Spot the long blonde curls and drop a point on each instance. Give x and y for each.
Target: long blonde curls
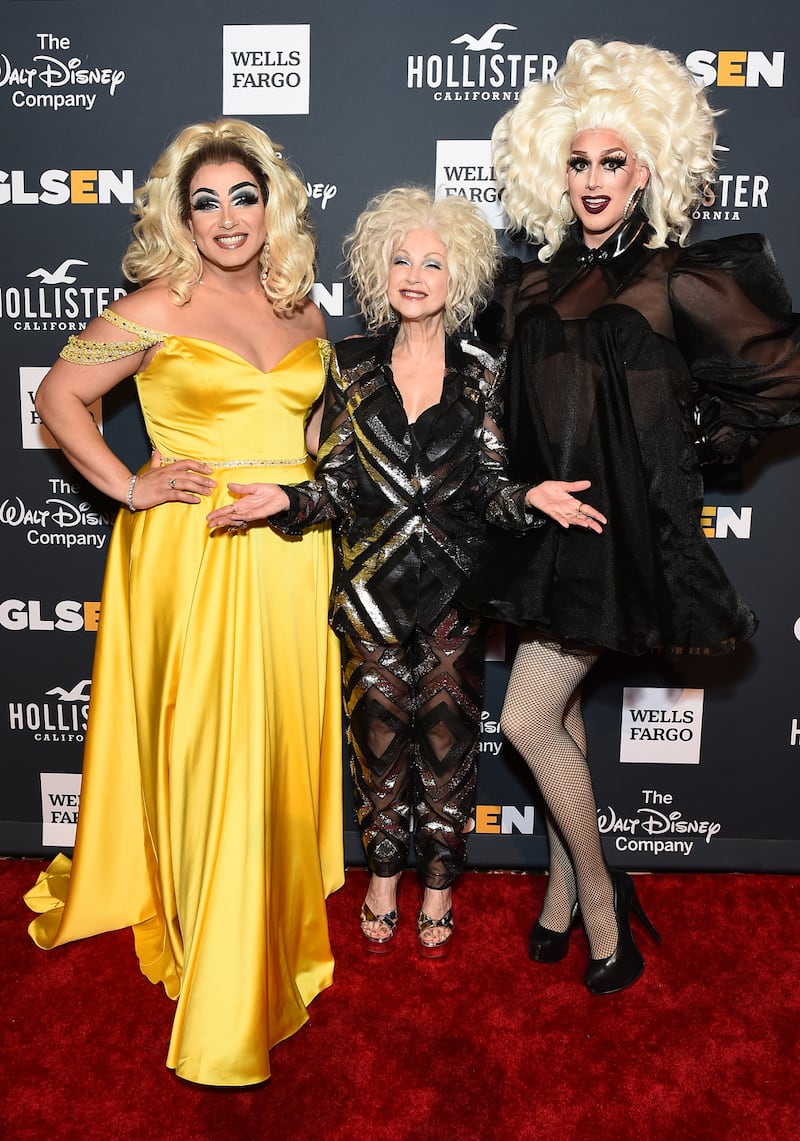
(162, 245)
(648, 97)
(470, 241)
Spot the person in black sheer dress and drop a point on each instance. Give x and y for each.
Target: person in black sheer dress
(411, 468)
(632, 358)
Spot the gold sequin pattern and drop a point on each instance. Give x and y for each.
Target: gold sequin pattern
(80, 351)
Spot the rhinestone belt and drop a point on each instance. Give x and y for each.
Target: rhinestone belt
(241, 463)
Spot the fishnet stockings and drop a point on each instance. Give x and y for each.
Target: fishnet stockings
(542, 719)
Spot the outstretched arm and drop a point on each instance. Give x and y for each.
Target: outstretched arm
(504, 501)
(254, 502)
(556, 499)
(294, 507)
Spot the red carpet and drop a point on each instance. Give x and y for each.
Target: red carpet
(484, 1044)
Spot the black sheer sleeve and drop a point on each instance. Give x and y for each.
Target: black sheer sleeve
(497, 499)
(734, 324)
(495, 324)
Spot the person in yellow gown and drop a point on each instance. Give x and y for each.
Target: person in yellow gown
(210, 817)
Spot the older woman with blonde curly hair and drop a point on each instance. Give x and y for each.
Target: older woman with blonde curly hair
(631, 358)
(411, 468)
(211, 807)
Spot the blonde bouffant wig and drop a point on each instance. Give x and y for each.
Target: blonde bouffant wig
(470, 241)
(162, 244)
(648, 97)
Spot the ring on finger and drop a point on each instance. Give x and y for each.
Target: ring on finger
(171, 483)
(580, 509)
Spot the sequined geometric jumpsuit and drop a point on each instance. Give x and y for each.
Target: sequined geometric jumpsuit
(411, 504)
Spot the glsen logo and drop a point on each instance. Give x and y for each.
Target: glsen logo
(661, 726)
(331, 300)
(266, 69)
(51, 72)
(54, 302)
(59, 522)
(464, 169)
(68, 615)
(63, 718)
(736, 68)
(503, 819)
(721, 522)
(57, 187)
(61, 798)
(482, 71)
(656, 818)
(34, 434)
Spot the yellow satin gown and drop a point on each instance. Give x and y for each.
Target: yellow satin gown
(210, 816)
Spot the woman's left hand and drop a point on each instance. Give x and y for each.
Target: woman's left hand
(554, 498)
(255, 501)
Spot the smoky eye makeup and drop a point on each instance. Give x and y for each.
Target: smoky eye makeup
(204, 200)
(246, 195)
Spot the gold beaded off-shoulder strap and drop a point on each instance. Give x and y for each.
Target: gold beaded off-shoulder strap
(78, 351)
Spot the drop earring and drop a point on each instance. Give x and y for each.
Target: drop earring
(264, 262)
(632, 203)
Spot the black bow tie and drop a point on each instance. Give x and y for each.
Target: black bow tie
(590, 258)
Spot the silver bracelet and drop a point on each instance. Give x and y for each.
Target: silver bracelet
(131, 486)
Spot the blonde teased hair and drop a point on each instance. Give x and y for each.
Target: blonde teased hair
(470, 241)
(648, 97)
(162, 244)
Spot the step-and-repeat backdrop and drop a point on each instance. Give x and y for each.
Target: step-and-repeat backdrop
(695, 762)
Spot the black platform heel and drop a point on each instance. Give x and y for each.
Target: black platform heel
(546, 946)
(623, 968)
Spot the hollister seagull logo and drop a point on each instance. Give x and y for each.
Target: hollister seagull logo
(49, 298)
(77, 693)
(479, 70)
(487, 41)
(58, 276)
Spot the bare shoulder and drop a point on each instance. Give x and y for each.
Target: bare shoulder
(309, 321)
(149, 307)
(152, 305)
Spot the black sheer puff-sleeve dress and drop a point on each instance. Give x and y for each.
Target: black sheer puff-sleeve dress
(620, 360)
